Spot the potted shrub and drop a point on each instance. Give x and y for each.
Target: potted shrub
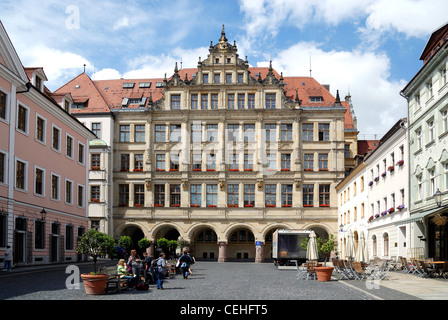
(325, 247)
(94, 244)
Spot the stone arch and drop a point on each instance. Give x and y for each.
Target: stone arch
(135, 231)
(320, 229)
(267, 239)
(160, 229)
(203, 238)
(243, 249)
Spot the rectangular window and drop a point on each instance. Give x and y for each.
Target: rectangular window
(195, 195)
(286, 195)
(445, 120)
(286, 132)
(271, 132)
(123, 195)
(230, 101)
(249, 195)
(233, 195)
(3, 99)
(54, 187)
(443, 76)
(197, 162)
(95, 193)
(272, 161)
(22, 119)
(175, 132)
(211, 162)
(138, 162)
(125, 133)
(204, 101)
(39, 176)
(174, 161)
(159, 195)
(160, 132)
(241, 100)
(68, 192)
(139, 195)
(205, 78)
(212, 132)
(217, 78)
(251, 101)
(215, 101)
(249, 132)
(432, 182)
(347, 151)
(194, 101)
(21, 175)
(248, 162)
(324, 132)
(233, 132)
(69, 147)
(175, 102)
(228, 78)
(286, 161)
(240, 77)
(39, 234)
(196, 132)
(40, 129)
(80, 153)
(56, 139)
(95, 161)
(308, 195)
(308, 162)
(307, 131)
(420, 187)
(233, 163)
(69, 237)
(430, 131)
(175, 195)
(270, 195)
(324, 195)
(125, 159)
(212, 195)
(160, 162)
(96, 129)
(139, 134)
(270, 101)
(80, 196)
(323, 161)
(418, 134)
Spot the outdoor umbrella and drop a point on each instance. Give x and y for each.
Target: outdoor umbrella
(350, 247)
(362, 255)
(311, 250)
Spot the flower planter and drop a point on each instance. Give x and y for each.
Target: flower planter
(94, 284)
(324, 273)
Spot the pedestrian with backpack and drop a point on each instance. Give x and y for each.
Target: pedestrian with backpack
(161, 270)
(185, 261)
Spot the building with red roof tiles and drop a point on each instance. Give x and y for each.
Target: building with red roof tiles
(221, 155)
(43, 170)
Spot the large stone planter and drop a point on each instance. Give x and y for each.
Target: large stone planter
(324, 273)
(94, 284)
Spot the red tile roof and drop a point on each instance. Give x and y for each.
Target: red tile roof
(103, 95)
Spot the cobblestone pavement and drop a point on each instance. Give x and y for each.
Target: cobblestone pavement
(210, 281)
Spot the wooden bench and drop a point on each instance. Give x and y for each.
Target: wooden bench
(114, 283)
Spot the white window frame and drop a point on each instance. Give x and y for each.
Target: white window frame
(73, 146)
(43, 181)
(53, 126)
(83, 162)
(51, 187)
(44, 142)
(71, 191)
(27, 124)
(25, 173)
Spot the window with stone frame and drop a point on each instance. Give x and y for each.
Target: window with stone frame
(270, 195)
(287, 195)
(232, 195)
(249, 195)
(159, 195)
(308, 195)
(307, 132)
(123, 195)
(195, 195)
(139, 195)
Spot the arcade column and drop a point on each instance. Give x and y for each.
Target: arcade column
(222, 252)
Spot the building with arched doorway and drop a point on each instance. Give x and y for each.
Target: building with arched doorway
(223, 154)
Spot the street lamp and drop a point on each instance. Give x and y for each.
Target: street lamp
(43, 213)
(438, 198)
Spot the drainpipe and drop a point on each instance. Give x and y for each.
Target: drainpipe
(28, 87)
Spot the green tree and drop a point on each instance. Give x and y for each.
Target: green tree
(144, 243)
(94, 244)
(126, 243)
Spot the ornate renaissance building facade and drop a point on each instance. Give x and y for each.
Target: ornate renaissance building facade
(221, 155)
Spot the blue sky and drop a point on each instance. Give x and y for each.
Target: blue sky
(370, 48)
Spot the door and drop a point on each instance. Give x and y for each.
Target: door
(54, 248)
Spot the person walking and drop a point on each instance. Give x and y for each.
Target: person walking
(123, 272)
(136, 264)
(147, 267)
(8, 259)
(193, 260)
(185, 261)
(161, 270)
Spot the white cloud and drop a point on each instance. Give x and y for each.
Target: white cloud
(106, 74)
(376, 99)
(414, 18)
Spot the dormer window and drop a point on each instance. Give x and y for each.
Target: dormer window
(316, 99)
(67, 106)
(38, 83)
(145, 84)
(128, 85)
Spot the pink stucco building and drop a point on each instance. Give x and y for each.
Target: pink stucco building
(43, 166)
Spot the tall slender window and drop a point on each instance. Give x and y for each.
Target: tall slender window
(323, 161)
(54, 187)
(175, 133)
(96, 129)
(215, 101)
(249, 132)
(270, 195)
(139, 133)
(204, 101)
(195, 195)
(194, 101)
(175, 195)
(160, 131)
(271, 132)
(249, 195)
(286, 161)
(231, 101)
(160, 162)
(138, 162)
(196, 132)
(68, 191)
(286, 132)
(40, 129)
(308, 161)
(286, 195)
(159, 195)
(233, 132)
(324, 195)
(241, 100)
(212, 195)
(248, 162)
(307, 131)
(22, 119)
(251, 101)
(123, 195)
(175, 102)
(125, 133)
(324, 132)
(232, 195)
(39, 182)
(20, 175)
(308, 195)
(3, 99)
(212, 132)
(270, 101)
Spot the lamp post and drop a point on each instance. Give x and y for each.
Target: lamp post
(43, 213)
(438, 198)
